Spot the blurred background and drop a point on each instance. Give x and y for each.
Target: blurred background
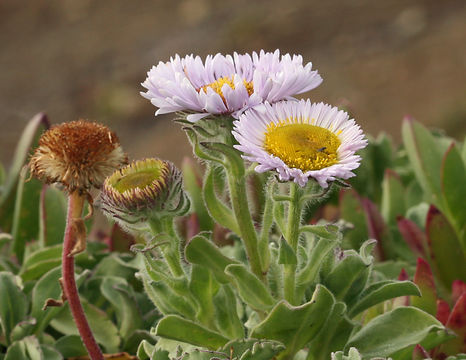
(86, 59)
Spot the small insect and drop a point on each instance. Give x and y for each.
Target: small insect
(321, 149)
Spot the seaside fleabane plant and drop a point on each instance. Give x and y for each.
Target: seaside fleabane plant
(226, 84)
(77, 155)
(300, 140)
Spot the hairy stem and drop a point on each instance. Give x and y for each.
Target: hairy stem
(171, 252)
(75, 207)
(243, 216)
(292, 237)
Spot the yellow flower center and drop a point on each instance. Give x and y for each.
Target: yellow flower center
(302, 146)
(138, 175)
(218, 84)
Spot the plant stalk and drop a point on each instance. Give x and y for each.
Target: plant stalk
(243, 216)
(292, 237)
(75, 207)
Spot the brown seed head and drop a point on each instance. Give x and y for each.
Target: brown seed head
(77, 154)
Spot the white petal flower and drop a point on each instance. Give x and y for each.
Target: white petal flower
(226, 84)
(299, 140)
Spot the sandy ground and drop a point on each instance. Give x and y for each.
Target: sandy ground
(86, 59)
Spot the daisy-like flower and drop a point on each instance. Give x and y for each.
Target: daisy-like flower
(226, 84)
(300, 140)
(78, 155)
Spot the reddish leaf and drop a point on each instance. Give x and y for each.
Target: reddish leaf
(376, 228)
(458, 288)
(443, 311)
(424, 279)
(444, 248)
(413, 236)
(419, 353)
(457, 323)
(402, 300)
(403, 275)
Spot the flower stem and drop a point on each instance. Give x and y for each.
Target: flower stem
(171, 252)
(75, 207)
(243, 216)
(292, 237)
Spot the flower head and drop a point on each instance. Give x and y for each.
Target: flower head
(143, 189)
(300, 140)
(78, 155)
(226, 84)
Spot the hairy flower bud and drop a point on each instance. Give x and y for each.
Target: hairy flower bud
(145, 189)
(78, 154)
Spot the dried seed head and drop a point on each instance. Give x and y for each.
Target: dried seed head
(78, 155)
(149, 188)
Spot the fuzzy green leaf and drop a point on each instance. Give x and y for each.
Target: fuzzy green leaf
(117, 291)
(226, 314)
(250, 288)
(176, 328)
(382, 291)
(203, 252)
(295, 326)
(393, 331)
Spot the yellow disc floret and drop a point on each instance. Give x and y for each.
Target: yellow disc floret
(302, 145)
(218, 84)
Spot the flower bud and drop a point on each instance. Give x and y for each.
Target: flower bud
(143, 190)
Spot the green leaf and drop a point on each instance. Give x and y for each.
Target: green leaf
(252, 349)
(393, 331)
(328, 231)
(349, 272)
(27, 348)
(70, 346)
(424, 279)
(104, 330)
(192, 182)
(22, 329)
(41, 261)
(353, 212)
(25, 224)
(176, 328)
(117, 291)
(27, 140)
(48, 287)
(13, 304)
(202, 251)
(217, 209)
(322, 344)
(453, 190)
(146, 350)
(353, 354)
(204, 287)
(52, 216)
(393, 198)
(444, 248)
(382, 291)
(316, 257)
(50, 353)
(295, 326)
(425, 157)
(250, 288)
(226, 314)
(166, 300)
(286, 254)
